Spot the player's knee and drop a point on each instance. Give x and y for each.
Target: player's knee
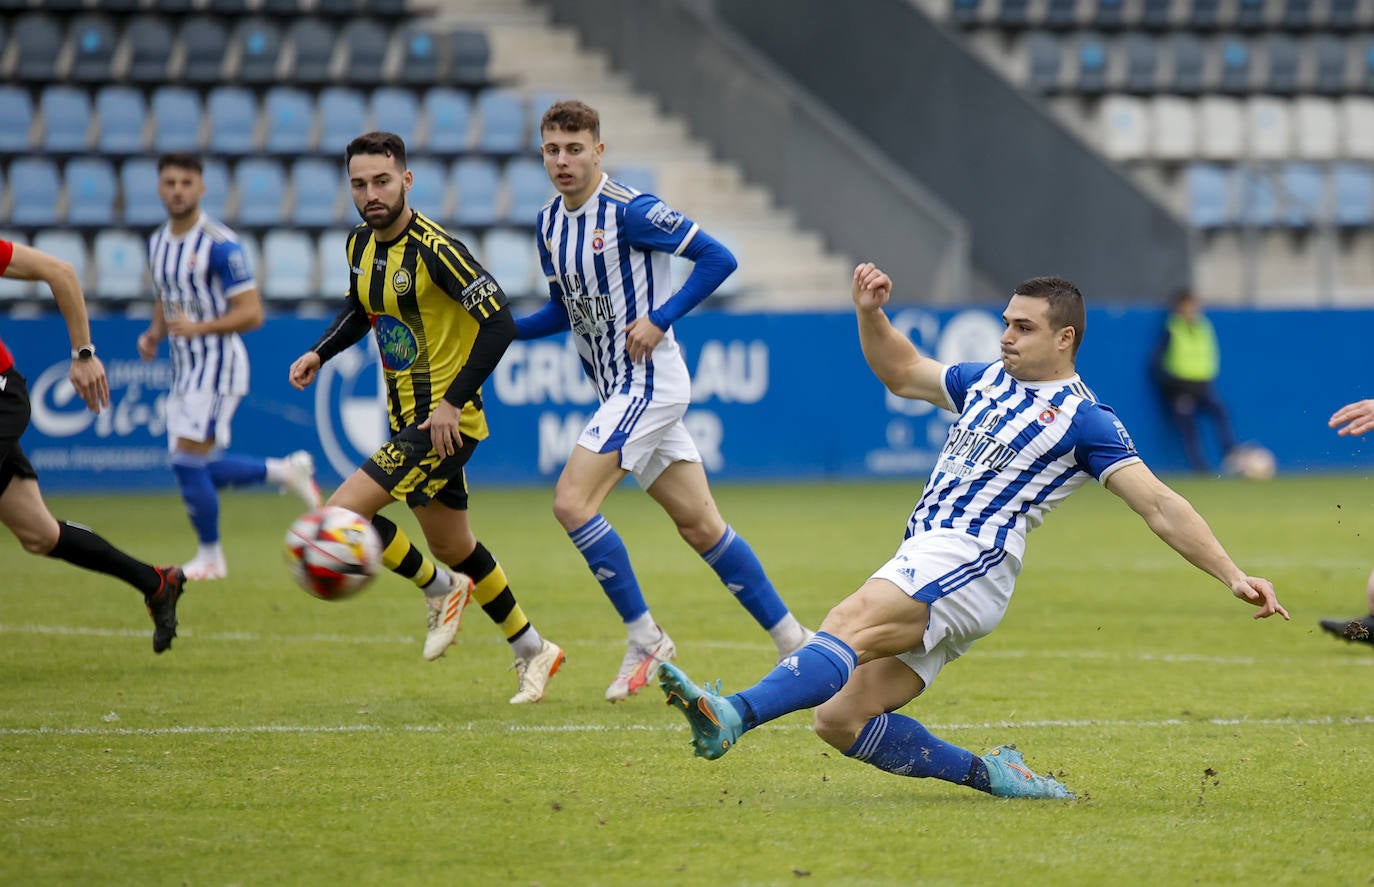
(836, 726)
(39, 540)
(570, 511)
(700, 536)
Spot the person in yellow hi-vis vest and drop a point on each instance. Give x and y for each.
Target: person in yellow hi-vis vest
(1186, 363)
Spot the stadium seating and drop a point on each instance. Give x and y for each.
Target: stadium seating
(1353, 194)
(66, 113)
(288, 266)
(476, 188)
(527, 190)
(121, 115)
(232, 114)
(290, 120)
(332, 263)
(205, 41)
(342, 117)
(90, 191)
(16, 119)
(365, 45)
(510, 257)
(138, 185)
(177, 116)
(12, 290)
(68, 246)
(215, 203)
(317, 185)
(259, 45)
(93, 44)
(261, 186)
(1210, 203)
(37, 38)
(429, 193)
(502, 115)
(396, 110)
(448, 116)
(149, 43)
(470, 55)
(35, 190)
(121, 266)
(313, 42)
(421, 62)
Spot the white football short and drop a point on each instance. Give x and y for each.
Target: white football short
(966, 585)
(200, 416)
(649, 436)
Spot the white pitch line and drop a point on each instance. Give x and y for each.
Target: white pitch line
(670, 727)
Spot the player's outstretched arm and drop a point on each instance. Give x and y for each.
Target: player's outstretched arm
(892, 356)
(1353, 419)
(1174, 520)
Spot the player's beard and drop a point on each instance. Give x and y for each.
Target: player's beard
(381, 223)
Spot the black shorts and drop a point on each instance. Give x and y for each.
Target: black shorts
(408, 467)
(14, 421)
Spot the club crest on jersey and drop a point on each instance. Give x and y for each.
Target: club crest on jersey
(1124, 435)
(1048, 415)
(598, 240)
(572, 283)
(400, 281)
(396, 343)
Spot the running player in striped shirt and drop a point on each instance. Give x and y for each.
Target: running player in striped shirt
(605, 249)
(441, 325)
(1029, 433)
(22, 508)
(206, 296)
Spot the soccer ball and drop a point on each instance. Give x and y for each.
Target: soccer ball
(1252, 462)
(333, 553)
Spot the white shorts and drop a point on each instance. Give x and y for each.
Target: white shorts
(649, 436)
(966, 585)
(200, 416)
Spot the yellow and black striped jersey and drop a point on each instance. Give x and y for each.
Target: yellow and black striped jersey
(425, 296)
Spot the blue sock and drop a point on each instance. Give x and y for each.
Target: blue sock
(805, 679)
(610, 563)
(902, 745)
(198, 493)
(230, 470)
(739, 568)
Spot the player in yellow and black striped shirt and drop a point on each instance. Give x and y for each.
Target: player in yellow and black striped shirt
(441, 325)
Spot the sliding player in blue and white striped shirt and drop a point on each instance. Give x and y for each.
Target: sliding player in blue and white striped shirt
(206, 296)
(1029, 433)
(605, 249)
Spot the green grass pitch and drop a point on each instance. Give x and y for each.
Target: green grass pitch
(286, 740)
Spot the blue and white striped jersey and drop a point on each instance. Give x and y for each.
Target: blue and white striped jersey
(609, 258)
(196, 274)
(1016, 451)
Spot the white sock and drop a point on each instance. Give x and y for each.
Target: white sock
(788, 634)
(276, 470)
(211, 551)
(644, 631)
(528, 644)
(440, 585)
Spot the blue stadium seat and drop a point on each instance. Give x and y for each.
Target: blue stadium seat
(1189, 67)
(90, 191)
(510, 258)
(1259, 198)
(290, 116)
(449, 115)
(1304, 194)
(1013, 14)
(1091, 51)
(1209, 196)
(314, 43)
(215, 203)
(1108, 15)
(429, 193)
(535, 107)
(469, 54)
(1141, 67)
(421, 62)
(1203, 14)
(502, 113)
(476, 187)
(205, 41)
(366, 43)
(1352, 194)
(1342, 15)
(233, 118)
(641, 178)
(121, 266)
(342, 116)
(1330, 61)
(396, 110)
(1297, 15)
(1235, 65)
(68, 246)
(38, 43)
(122, 116)
(288, 266)
(261, 187)
(1285, 60)
(317, 185)
(1365, 48)
(149, 41)
(1250, 15)
(16, 119)
(260, 46)
(34, 187)
(1061, 15)
(93, 41)
(66, 114)
(1156, 15)
(332, 263)
(965, 13)
(527, 190)
(1045, 61)
(138, 185)
(227, 7)
(176, 113)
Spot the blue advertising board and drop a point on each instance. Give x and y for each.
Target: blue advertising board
(775, 396)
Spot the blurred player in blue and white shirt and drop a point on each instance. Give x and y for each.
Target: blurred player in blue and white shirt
(606, 249)
(1028, 433)
(206, 297)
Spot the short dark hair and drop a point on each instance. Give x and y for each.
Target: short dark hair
(181, 160)
(1065, 304)
(387, 144)
(1181, 295)
(570, 115)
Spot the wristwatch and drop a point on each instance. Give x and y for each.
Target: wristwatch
(85, 352)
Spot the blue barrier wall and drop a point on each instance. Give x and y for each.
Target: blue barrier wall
(777, 397)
